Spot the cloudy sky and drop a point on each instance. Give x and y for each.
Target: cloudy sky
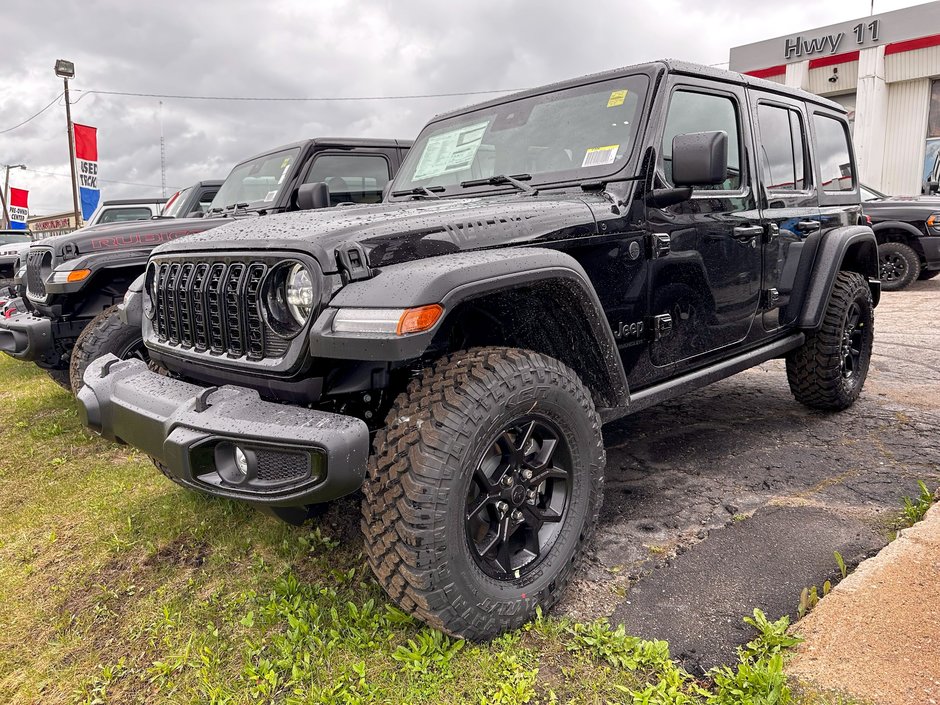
(305, 48)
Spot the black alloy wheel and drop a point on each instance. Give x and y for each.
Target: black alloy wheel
(853, 334)
(518, 498)
(893, 267)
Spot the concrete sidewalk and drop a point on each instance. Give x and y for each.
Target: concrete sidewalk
(876, 636)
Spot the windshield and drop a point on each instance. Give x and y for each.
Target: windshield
(257, 181)
(11, 238)
(869, 194)
(573, 134)
(175, 204)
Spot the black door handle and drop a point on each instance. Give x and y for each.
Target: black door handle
(808, 226)
(746, 232)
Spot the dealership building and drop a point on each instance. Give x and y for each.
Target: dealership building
(885, 70)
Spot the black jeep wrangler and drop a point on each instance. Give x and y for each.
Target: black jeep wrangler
(74, 281)
(908, 233)
(542, 264)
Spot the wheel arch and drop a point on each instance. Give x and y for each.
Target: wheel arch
(532, 298)
(852, 248)
(898, 231)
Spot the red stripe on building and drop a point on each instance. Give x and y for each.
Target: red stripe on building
(912, 44)
(833, 60)
(768, 72)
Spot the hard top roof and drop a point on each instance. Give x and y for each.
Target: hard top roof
(672, 66)
(337, 142)
(133, 201)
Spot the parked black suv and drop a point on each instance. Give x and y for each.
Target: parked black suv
(75, 280)
(542, 264)
(908, 233)
(192, 201)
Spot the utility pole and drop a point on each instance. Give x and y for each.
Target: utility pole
(6, 193)
(66, 70)
(162, 154)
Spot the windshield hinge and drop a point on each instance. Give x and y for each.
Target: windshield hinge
(353, 263)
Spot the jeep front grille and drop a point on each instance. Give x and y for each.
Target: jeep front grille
(213, 307)
(38, 267)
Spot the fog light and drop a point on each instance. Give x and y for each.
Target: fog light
(241, 462)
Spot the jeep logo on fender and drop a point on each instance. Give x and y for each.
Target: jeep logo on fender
(109, 243)
(623, 331)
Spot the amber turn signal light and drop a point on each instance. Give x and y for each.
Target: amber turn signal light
(78, 275)
(417, 320)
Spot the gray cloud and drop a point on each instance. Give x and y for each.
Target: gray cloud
(341, 48)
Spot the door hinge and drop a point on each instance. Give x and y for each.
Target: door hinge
(769, 299)
(660, 245)
(661, 326)
(772, 232)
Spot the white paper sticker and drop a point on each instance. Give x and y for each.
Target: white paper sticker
(269, 196)
(599, 156)
(450, 151)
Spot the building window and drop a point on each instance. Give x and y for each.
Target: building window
(832, 145)
(782, 142)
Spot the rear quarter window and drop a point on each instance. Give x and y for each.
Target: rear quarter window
(836, 169)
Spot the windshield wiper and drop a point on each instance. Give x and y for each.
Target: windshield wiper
(419, 191)
(500, 179)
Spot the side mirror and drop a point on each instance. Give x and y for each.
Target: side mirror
(700, 158)
(197, 214)
(933, 187)
(313, 196)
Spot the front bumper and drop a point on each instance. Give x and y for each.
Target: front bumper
(931, 247)
(25, 336)
(295, 456)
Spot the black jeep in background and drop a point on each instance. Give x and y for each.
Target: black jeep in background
(192, 201)
(542, 264)
(908, 232)
(74, 281)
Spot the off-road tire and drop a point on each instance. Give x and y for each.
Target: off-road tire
(909, 263)
(415, 491)
(60, 377)
(815, 370)
(106, 333)
(929, 274)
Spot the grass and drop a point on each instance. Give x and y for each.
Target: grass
(117, 586)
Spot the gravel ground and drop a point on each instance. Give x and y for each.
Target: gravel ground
(679, 472)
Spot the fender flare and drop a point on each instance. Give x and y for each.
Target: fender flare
(854, 245)
(897, 225)
(454, 279)
(131, 310)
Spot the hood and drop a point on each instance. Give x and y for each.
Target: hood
(903, 208)
(402, 231)
(135, 234)
(14, 249)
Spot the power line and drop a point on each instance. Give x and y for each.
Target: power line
(317, 99)
(108, 181)
(33, 117)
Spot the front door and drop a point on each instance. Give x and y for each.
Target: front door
(790, 204)
(707, 287)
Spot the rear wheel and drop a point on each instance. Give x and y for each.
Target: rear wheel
(899, 265)
(483, 489)
(829, 370)
(106, 333)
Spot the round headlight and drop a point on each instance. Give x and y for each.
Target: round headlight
(298, 292)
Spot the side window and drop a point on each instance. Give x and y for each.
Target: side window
(120, 215)
(782, 148)
(351, 178)
(704, 112)
(832, 148)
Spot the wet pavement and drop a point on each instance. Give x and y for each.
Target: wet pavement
(735, 497)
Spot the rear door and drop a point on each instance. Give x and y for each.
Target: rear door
(789, 202)
(708, 285)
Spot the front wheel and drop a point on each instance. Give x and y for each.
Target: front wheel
(899, 265)
(483, 489)
(829, 370)
(106, 333)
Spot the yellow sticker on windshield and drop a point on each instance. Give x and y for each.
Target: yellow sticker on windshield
(617, 98)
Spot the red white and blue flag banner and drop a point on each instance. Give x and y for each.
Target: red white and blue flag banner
(19, 210)
(86, 164)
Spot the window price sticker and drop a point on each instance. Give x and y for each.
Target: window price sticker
(617, 98)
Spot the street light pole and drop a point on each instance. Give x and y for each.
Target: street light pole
(6, 193)
(66, 70)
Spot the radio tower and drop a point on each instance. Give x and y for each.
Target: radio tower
(162, 154)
